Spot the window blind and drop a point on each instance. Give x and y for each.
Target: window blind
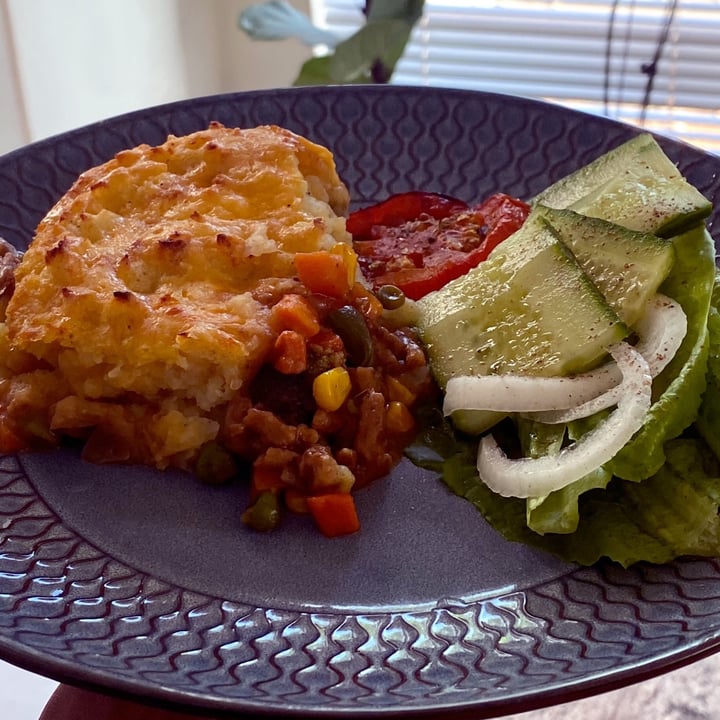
(652, 63)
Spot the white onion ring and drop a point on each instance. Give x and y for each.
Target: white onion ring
(536, 477)
(561, 399)
(661, 331)
(525, 393)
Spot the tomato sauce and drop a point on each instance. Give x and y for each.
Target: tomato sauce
(419, 241)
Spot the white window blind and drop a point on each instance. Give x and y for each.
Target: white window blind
(598, 56)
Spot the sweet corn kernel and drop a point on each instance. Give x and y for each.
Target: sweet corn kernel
(398, 418)
(350, 258)
(331, 388)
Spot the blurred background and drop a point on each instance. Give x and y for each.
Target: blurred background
(653, 63)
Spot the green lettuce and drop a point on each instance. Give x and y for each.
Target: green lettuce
(679, 389)
(673, 513)
(558, 511)
(659, 498)
(708, 419)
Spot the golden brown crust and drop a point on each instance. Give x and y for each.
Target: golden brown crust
(146, 280)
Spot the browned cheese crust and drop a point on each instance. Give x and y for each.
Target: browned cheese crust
(141, 307)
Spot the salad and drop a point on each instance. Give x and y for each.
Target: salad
(607, 444)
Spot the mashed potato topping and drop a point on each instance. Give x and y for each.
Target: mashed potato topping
(147, 304)
(141, 279)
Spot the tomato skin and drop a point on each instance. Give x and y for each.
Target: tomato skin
(504, 215)
(422, 253)
(417, 282)
(401, 208)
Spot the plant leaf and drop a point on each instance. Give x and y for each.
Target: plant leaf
(381, 40)
(408, 10)
(315, 71)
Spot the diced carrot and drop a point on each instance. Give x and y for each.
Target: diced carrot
(266, 478)
(294, 312)
(290, 353)
(334, 514)
(323, 272)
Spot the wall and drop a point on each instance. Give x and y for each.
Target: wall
(13, 125)
(247, 64)
(66, 64)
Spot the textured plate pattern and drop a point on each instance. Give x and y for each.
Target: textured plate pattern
(83, 612)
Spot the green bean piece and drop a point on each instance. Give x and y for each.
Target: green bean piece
(391, 296)
(215, 465)
(350, 325)
(264, 514)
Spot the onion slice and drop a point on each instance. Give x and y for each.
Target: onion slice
(526, 393)
(661, 331)
(535, 477)
(561, 399)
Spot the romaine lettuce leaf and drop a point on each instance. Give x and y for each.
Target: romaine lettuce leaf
(671, 514)
(679, 388)
(678, 393)
(558, 512)
(674, 510)
(708, 420)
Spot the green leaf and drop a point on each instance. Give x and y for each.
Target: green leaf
(558, 512)
(437, 441)
(708, 420)
(671, 514)
(682, 383)
(315, 71)
(378, 41)
(408, 10)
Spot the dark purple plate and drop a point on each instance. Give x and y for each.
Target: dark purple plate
(146, 584)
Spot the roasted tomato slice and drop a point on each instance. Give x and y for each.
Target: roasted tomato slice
(401, 208)
(419, 250)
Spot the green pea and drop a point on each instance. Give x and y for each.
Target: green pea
(264, 514)
(215, 465)
(391, 296)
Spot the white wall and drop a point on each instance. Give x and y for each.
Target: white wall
(67, 63)
(13, 126)
(246, 64)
